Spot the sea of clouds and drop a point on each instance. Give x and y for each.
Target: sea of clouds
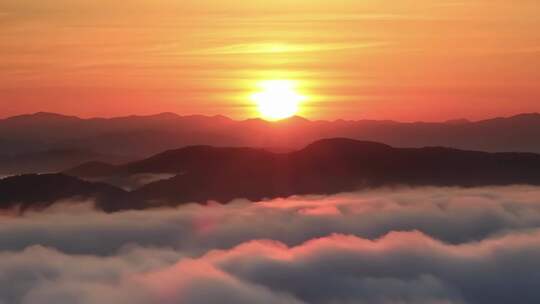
(402, 245)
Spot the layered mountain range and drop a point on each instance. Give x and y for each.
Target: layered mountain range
(205, 173)
(39, 142)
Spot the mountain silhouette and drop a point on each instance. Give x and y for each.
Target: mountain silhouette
(38, 191)
(135, 137)
(205, 173)
(336, 165)
(51, 160)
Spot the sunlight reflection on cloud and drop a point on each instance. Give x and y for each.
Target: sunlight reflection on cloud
(406, 245)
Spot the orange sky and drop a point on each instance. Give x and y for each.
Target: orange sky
(402, 60)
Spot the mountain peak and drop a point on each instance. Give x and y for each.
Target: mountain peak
(42, 116)
(526, 116)
(166, 115)
(295, 118)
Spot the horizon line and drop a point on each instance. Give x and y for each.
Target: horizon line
(297, 117)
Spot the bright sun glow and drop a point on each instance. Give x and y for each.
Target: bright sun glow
(277, 99)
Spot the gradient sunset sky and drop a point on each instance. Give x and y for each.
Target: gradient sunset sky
(354, 59)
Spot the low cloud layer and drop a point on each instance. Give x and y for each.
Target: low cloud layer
(425, 245)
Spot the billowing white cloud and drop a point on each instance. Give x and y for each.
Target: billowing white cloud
(425, 245)
(452, 215)
(402, 267)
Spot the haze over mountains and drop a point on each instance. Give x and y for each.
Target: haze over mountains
(205, 173)
(39, 137)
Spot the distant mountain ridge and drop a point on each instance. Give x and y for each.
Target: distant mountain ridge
(204, 173)
(136, 137)
(51, 160)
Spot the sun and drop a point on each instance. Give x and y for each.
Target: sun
(277, 99)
